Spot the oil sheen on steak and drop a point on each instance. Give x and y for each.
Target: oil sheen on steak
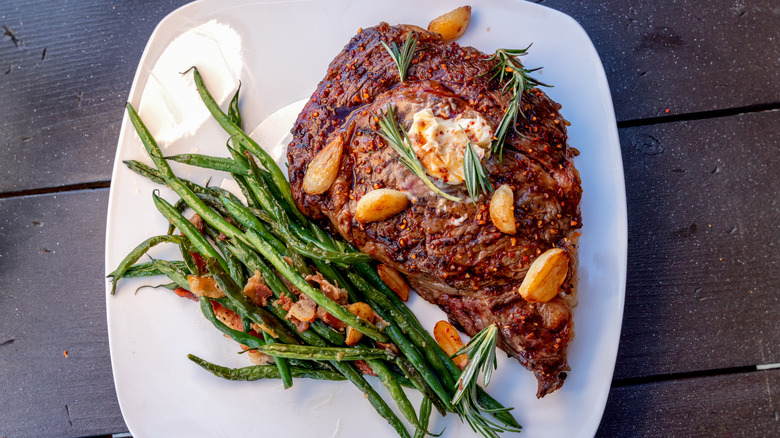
(450, 252)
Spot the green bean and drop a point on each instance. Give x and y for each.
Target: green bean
(136, 254)
(246, 191)
(256, 263)
(387, 312)
(188, 261)
(277, 195)
(174, 182)
(258, 372)
(196, 238)
(252, 342)
(308, 352)
(444, 366)
(244, 307)
(425, 415)
(320, 298)
(401, 314)
(208, 162)
(281, 364)
(157, 177)
(174, 273)
(147, 269)
(354, 376)
(235, 132)
(219, 192)
(246, 218)
(234, 115)
(180, 205)
(235, 268)
(394, 388)
(145, 171)
(335, 278)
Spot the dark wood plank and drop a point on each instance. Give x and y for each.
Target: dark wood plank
(65, 109)
(704, 239)
(734, 405)
(53, 300)
(62, 111)
(687, 56)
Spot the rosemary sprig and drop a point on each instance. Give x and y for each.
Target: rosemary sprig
(398, 139)
(517, 80)
(403, 56)
(474, 173)
(481, 351)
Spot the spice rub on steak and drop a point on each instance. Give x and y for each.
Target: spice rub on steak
(450, 252)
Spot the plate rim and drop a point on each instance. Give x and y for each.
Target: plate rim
(621, 212)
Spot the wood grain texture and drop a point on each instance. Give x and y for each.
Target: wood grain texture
(734, 405)
(61, 112)
(704, 245)
(52, 300)
(687, 56)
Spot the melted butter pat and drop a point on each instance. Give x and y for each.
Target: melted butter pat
(440, 144)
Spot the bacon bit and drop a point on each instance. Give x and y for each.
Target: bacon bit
(285, 301)
(335, 293)
(197, 221)
(204, 286)
(305, 309)
(262, 328)
(227, 316)
(364, 368)
(257, 290)
(388, 347)
(184, 293)
(200, 262)
(329, 319)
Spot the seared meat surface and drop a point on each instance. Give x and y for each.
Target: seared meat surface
(450, 252)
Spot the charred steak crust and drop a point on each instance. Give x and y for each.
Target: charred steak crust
(450, 252)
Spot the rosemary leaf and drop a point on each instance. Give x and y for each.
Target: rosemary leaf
(477, 180)
(403, 56)
(516, 79)
(399, 141)
(481, 351)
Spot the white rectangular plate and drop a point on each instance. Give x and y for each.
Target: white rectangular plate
(280, 51)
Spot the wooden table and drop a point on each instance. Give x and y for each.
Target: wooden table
(696, 88)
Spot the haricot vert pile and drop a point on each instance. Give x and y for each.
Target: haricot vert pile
(269, 240)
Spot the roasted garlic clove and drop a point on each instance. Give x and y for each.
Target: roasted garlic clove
(378, 205)
(449, 341)
(545, 276)
(204, 286)
(453, 24)
(361, 310)
(324, 168)
(502, 210)
(394, 280)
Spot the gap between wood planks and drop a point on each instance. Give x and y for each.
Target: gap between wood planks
(700, 115)
(58, 189)
(630, 381)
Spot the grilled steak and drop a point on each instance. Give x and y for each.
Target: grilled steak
(450, 252)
